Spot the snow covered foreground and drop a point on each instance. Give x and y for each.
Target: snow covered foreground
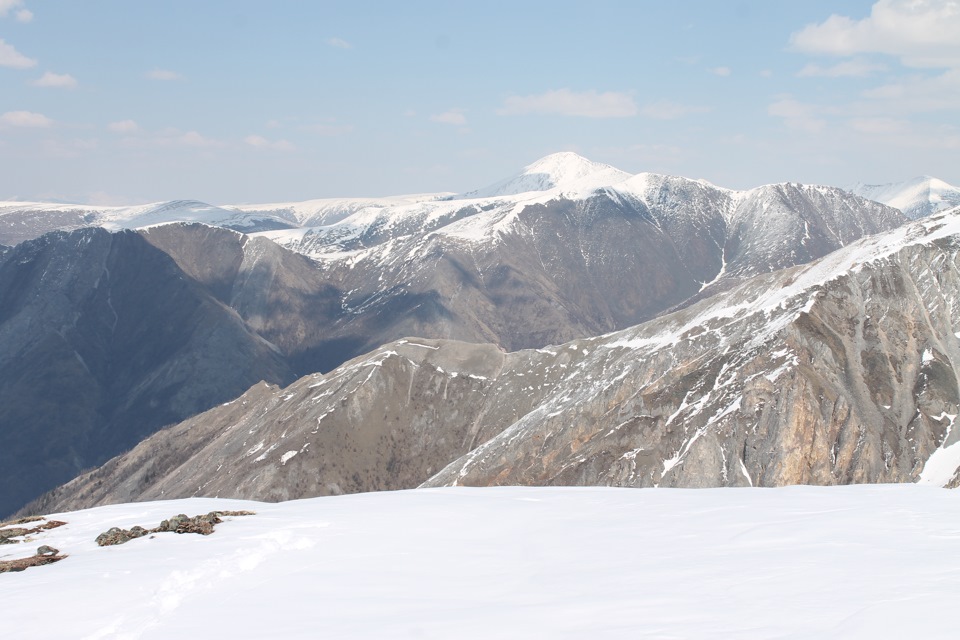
(799, 562)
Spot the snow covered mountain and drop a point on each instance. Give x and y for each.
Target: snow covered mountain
(844, 562)
(549, 266)
(566, 171)
(841, 371)
(316, 213)
(21, 221)
(915, 198)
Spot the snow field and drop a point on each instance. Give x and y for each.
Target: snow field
(797, 562)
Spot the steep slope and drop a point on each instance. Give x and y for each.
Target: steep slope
(389, 421)
(283, 296)
(916, 198)
(841, 371)
(103, 340)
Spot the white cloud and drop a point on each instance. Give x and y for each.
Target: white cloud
(664, 110)
(797, 115)
(16, 6)
(919, 94)
(328, 129)
(450, 116)
(564, 102)
(855, 68)
(881, 125)
(25, 119)
(10, 57)
(163, 74)
(273, 124)
(921, 33)
(262, 143)
(721, 71)
(166, 138)
(69, 148)
(56, 80)
(194, 139)
(339, 43)
(123, 126)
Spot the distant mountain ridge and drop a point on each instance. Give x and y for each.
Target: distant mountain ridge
(563, 174)
(916, 198)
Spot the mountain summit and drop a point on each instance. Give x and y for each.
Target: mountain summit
(916, 198)
(564, 170)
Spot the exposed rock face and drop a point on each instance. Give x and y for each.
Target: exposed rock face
(103, 340)
(841, 371)
(566, 249)
(518, 275)
(283, 296)
(386, 421)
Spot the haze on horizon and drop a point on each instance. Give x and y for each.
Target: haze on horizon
(112, 102)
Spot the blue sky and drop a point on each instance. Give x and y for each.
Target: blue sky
(117, 102)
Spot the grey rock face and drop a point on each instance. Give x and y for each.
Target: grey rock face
(284, 297)
(103, 340)
(837, 372)
(846, 374)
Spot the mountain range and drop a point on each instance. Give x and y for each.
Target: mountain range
(840, 371)
(589, 251)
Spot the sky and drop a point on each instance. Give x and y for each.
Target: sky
(118, 102)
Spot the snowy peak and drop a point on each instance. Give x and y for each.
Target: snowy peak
(916, 197)
(564, 170)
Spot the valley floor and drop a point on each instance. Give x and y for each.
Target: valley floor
(797, 562)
